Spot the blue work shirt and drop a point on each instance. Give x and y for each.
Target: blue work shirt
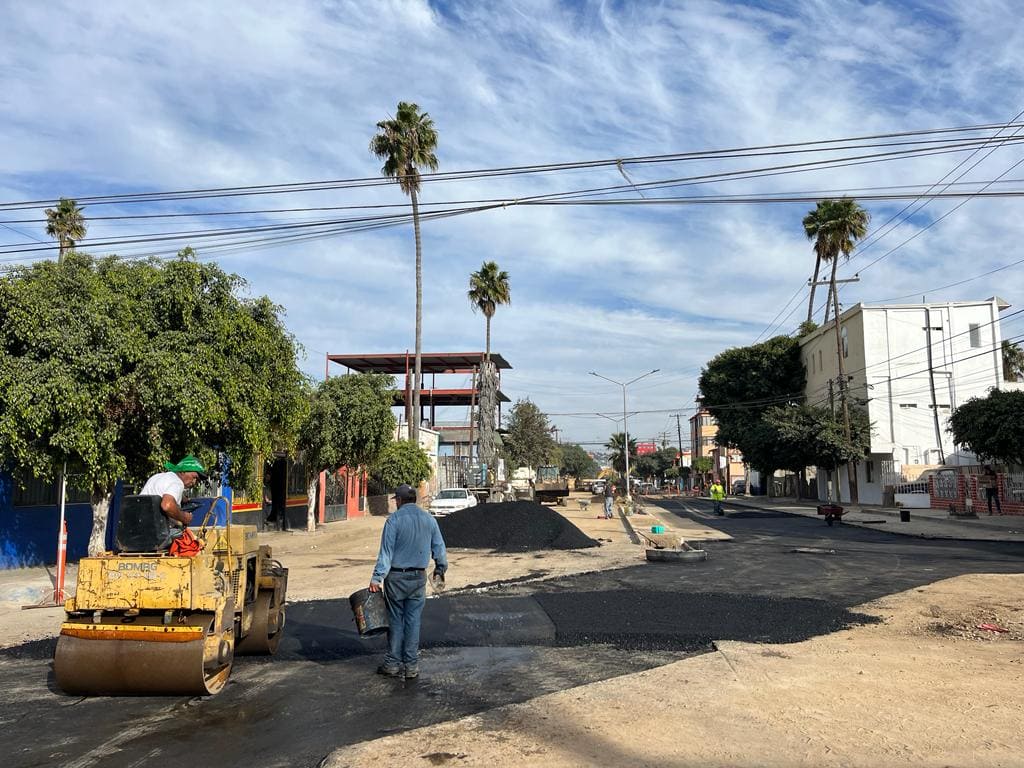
(410, 538)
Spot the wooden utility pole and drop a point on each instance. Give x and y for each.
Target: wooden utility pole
(851, 470)
(679, 434)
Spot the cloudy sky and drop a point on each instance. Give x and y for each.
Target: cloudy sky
(118, 97)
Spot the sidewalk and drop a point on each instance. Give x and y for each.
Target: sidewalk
(924, 523)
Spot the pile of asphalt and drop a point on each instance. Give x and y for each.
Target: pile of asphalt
(512, 526)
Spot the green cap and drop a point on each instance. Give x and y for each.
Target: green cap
(188, 464)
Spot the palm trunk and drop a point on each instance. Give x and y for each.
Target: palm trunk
(851, 471)
(487, 353)
(418, 367)
(814, 285)
(100, 511)
(828, 303)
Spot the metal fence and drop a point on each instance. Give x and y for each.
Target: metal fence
(1014, 482)
(918, 487)
(946, 485)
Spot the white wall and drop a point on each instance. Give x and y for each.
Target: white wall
(887, 358)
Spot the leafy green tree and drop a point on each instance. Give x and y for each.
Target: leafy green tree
(991, 426)
(406, 143)
(402, 461)
(116, 366)
(1013, 361)
(702, 466)
(66, 224)
(738, 385)
(576, 462)
(616, 444)
(528, 440)
(350, 423)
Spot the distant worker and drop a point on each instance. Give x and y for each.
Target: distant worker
(409, 540)
(609, 500)
(170, 486)
(717, 495)
(989, 480)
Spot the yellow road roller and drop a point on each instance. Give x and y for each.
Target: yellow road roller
(143, 621)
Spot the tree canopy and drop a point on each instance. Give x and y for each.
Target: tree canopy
(991, 426)
(528, 441)
(575, 461)
(350, 422)
(488, 287)
(116, 366)
(66, 225)
(616, 444)
(401, 461)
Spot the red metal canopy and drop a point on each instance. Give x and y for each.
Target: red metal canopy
(431, 362)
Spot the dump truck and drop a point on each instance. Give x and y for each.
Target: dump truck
(143, 621)
(549, 486)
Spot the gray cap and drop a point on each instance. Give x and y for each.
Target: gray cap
(405, 492)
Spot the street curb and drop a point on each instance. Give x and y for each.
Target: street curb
(1017, 539)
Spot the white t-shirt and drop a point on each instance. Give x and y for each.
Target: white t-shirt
(165, 483)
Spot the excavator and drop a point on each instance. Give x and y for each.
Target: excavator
(143, 621)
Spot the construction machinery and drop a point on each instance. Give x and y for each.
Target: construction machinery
(549, 485)
(143, 621)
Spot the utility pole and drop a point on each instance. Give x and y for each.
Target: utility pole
(931, 384)
(679, 434)
(828, 301)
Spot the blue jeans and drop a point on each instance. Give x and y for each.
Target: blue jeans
(608, 506)
(406, 592)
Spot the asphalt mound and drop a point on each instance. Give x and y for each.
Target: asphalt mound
(512, 526)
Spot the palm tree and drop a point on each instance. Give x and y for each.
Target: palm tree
(406, 143)
(838, 225)
(615, 444)
(488, 287)
(812, 225)
(66, 224)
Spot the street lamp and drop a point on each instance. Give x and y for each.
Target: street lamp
(625, 428)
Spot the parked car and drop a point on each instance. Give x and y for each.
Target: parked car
(598, 487)
(739, 487)
(451, 500)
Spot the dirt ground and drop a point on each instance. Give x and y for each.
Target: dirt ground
(925, 687)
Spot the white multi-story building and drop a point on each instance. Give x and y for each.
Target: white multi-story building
(910, 365)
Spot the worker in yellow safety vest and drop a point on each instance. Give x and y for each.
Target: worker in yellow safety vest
(717, 495)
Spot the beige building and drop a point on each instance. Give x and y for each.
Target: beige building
(727, 462)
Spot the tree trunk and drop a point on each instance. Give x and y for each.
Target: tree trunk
(487, 353)
(417, 376)
(814, 285)
(311, 508)
(100, 501)
(828, 303)
(851, 470)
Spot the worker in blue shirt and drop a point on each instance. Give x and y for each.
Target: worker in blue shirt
(410, 538)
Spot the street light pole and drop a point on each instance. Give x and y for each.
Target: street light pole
(625, 427)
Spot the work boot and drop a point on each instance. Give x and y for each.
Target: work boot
(412, 671)
(388, 671)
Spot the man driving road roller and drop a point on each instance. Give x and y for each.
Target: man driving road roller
(170, 486)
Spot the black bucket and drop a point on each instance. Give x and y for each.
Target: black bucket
(370, 612)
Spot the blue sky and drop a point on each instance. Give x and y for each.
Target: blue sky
(118, 96)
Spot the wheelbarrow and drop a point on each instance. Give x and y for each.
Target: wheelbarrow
(832, 512)
(584, 503)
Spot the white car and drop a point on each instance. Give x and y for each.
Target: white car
(451, 500)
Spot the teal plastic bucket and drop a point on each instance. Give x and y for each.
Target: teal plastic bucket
(657, 529)
(370, 612)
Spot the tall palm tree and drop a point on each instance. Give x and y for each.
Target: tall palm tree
(406, 143)
(66, 224)
(488, 287)
(812, 225)
(839, 224)
(616, 444)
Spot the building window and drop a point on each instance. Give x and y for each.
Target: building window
(975, 332)
(846, 343)
(820, 368)
(707, 441)
(813, 365)
(707, 421)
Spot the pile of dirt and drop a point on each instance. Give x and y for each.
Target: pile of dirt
(512, 526)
